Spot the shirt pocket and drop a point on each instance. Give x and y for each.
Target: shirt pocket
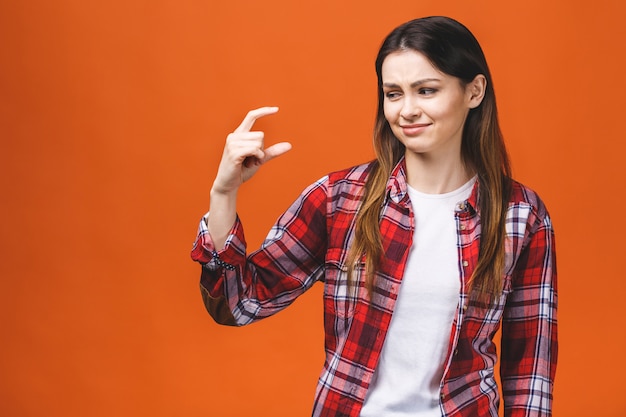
(340, 295)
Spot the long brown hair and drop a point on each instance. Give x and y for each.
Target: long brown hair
(452, 49)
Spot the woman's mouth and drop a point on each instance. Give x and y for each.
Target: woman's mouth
(414, 129)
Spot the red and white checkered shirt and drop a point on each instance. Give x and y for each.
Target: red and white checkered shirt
(309, 243)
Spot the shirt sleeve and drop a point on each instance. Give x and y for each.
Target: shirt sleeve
(238, 288)
(529, 326)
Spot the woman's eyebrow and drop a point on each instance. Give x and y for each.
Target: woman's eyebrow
(413, 85)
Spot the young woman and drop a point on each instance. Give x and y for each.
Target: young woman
(423, 253)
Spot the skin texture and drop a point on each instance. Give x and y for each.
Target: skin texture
(426, 110)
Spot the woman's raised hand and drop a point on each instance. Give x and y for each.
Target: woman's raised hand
(244, 153)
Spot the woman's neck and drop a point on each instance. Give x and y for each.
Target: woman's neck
(436, 175)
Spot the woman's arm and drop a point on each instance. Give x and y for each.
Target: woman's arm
(238, 288)
(529, 327)
(244, 153)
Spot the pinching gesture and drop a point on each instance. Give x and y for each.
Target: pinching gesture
(244, 153)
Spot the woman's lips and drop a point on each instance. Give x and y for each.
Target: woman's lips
(415, 129)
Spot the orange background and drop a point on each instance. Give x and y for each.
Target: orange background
(112, 119)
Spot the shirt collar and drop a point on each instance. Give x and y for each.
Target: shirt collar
(397, 188)
(396, 185)
(472, 201)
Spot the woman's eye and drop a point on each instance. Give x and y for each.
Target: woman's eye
(427, 91)
(392, 95)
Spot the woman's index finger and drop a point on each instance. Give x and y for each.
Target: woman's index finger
(252, 116)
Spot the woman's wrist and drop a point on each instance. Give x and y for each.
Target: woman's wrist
(222, 216)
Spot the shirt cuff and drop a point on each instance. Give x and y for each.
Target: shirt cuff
(217, 263)
(203, 250)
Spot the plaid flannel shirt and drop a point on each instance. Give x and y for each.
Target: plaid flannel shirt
(309, 243)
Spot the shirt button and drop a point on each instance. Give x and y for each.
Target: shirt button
(456, 352)
(442, 396)
(465, 307)
(462, 227)
(461, 206)
(465, 263)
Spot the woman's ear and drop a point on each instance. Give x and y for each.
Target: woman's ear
(476, 91)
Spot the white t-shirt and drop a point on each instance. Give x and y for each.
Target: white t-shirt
(407, 379)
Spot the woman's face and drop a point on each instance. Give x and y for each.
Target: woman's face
(426, 109)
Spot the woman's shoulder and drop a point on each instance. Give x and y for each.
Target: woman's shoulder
(345, 181)
(353, 176)
(524, 196)
(345, 186)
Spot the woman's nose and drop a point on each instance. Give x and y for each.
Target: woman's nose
(410, 109)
